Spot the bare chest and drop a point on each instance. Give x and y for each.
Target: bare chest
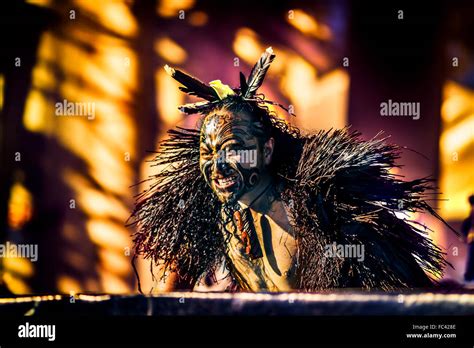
(274, 270)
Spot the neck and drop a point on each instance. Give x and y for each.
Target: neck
(258, 198)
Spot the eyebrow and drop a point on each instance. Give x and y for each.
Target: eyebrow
(229, 139)
(206, 146)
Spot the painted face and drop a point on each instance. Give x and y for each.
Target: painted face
(231, 155)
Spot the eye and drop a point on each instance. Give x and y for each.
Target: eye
(232, 145)
(205, 153)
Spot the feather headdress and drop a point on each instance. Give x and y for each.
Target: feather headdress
(216, 91)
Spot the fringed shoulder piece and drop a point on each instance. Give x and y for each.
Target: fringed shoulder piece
(177, 217)
(345, 198)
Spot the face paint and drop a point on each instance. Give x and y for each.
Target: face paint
(231, 155)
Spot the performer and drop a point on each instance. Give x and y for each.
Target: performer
(467, 230)
(284, 210)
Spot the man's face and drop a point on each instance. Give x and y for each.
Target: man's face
(232, 158)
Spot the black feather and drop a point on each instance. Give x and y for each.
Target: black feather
(257, 75)
(194, 108)
(192, 86)
(243, 84)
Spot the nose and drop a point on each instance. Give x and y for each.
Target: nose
(219, 167)
(222, 167)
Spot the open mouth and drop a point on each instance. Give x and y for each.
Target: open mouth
(225, 183)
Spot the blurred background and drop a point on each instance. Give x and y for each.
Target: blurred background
(67, 181)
